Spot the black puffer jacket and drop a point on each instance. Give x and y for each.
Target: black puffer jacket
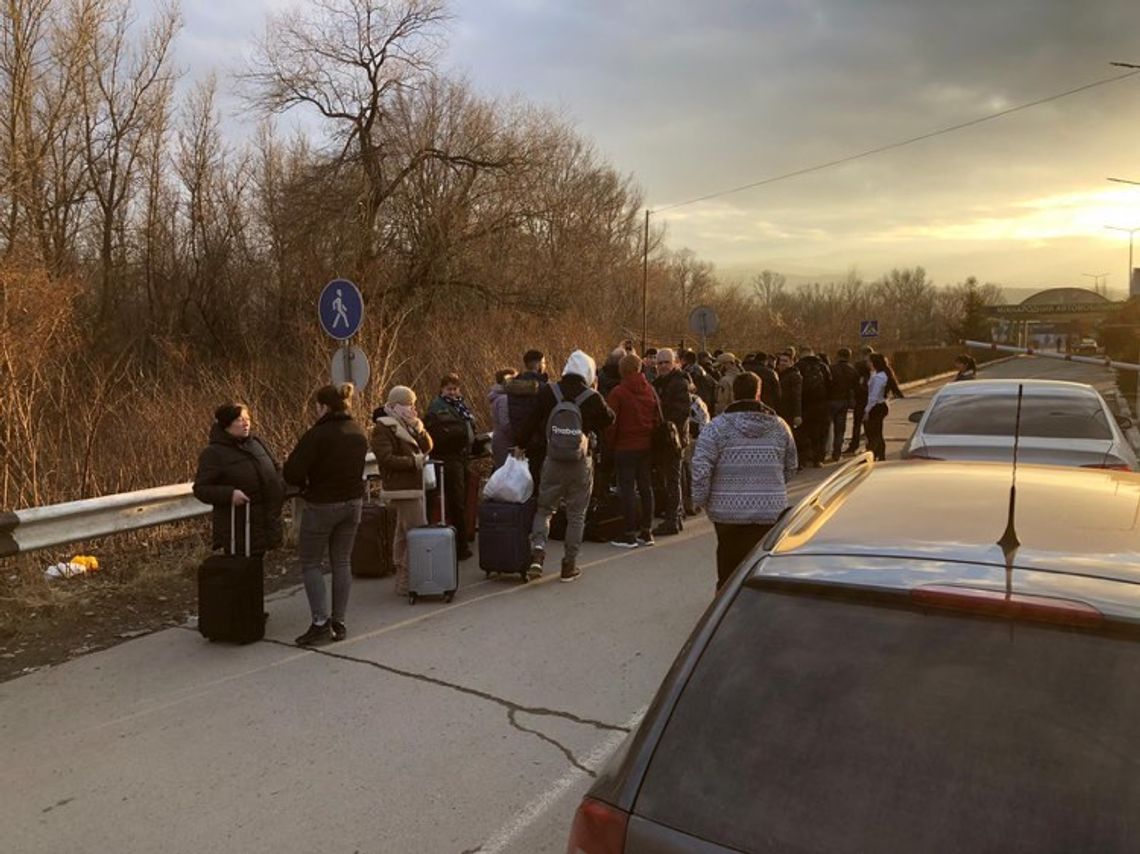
(844, 382)
(328, 462)
(674, 389)
(228, 463)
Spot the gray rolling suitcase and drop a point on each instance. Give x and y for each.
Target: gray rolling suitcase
(433, 564)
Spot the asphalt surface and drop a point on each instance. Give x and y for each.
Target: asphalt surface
(475, 726)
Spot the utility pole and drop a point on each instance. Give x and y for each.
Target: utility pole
(1096, 277)
(1131, 233)
(645, 288)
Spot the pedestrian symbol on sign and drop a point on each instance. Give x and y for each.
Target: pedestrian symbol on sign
(869, 329)
(341, 312)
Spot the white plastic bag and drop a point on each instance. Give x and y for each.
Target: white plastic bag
(511, 482)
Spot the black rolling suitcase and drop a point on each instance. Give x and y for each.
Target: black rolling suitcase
(231, 592)
(504, 537)
(605, 520)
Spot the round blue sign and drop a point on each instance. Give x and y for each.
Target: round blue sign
(340, 309)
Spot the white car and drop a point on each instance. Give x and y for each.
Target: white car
(1062, 424)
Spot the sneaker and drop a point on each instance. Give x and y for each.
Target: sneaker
(537, 558)
(314, 634)
(666, 531)
(339, 630)
(629, 541)
(570, 572)
(645, 538)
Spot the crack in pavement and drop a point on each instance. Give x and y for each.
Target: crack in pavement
(513, 708)
(512, 717)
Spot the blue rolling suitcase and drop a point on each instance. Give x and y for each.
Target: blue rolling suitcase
(433, 558)
(504, 537)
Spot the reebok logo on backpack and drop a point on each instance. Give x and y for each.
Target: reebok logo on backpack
(566, 441)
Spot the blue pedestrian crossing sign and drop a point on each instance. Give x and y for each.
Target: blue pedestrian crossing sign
(340, 309)
(869, 329)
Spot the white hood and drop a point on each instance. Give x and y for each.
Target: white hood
(581, 364)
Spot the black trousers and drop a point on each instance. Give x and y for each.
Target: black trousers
(876, 444)
(838, 425)
(455, 500)
(857, 423)
(733, 543)
(671, 480)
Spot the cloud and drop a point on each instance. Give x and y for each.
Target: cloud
(698, 97)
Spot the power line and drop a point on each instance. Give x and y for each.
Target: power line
(893, 145)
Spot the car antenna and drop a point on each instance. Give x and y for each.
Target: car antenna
(1009, 542)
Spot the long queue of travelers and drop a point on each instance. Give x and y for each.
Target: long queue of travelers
(670, 433)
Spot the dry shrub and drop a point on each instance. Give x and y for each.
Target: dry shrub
(83, 418)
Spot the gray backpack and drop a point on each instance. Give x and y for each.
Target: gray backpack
(566, 441)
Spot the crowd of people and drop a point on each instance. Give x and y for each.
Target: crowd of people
(672, 433)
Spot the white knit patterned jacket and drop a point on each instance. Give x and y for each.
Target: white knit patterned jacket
(742, 464)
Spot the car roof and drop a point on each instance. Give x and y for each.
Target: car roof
(904, 518)
(1009, 387)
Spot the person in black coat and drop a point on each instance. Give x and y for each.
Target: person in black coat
(328, 465)
(522, 398)
(841, 398)
(674, 388)
(769, 382)
(237, 470)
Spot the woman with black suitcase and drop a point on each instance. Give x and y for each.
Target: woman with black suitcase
(238, 475)
(401, 445)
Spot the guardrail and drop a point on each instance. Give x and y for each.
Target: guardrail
(38, 528)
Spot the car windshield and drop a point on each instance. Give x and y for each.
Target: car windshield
(815, 724)
(1043, 416)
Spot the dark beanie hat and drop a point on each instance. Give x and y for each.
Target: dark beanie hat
(227, 414)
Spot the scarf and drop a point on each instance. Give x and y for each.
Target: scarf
(460, 407)
(406, 415)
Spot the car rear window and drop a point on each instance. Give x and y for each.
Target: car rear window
(1042, 416)
(813, 724)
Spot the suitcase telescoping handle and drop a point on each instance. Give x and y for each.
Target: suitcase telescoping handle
(442, 495)
(233, 528)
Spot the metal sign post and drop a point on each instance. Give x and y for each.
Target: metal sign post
(350, 365)
(703, 322)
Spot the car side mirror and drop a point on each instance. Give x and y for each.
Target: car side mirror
(915, 417)
(1125, 422)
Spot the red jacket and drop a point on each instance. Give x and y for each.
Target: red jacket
(636, 413)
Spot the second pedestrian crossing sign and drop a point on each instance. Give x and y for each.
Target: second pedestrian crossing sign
(869, 329)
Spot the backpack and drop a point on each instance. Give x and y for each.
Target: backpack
(566, 441)
(815, 385)
(698, 415)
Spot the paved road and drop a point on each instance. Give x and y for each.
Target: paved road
(470, 727)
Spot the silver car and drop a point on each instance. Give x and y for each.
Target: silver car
(1062, 424)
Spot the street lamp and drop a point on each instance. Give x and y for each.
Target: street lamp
(1131, 232)
(1096, 277)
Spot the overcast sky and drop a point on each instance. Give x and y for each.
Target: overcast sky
(693, 98)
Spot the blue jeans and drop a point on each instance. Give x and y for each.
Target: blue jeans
(328, 528)
(635, 478)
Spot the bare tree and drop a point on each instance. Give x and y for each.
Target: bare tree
(125, 90)
(350, 60)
